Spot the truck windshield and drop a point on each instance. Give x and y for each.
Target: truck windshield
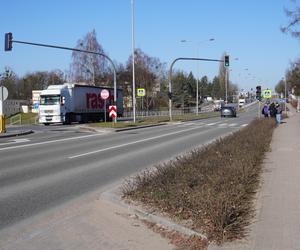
(50, 99)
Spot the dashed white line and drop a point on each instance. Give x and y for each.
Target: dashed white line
(131, 143)
(211, 124)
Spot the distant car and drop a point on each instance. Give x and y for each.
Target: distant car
(228, 111)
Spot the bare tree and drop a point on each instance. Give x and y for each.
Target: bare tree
(292, 77)
(38, 81)
(294, 20)
(88, 67)
(9, 79)
(148, 75)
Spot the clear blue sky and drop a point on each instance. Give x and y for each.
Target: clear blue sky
(247, 30)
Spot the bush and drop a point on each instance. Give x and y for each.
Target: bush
(213, 186)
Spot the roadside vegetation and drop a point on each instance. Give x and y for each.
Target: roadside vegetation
(22, 119)
(213, 187)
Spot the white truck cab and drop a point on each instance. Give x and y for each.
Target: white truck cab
(53, 106)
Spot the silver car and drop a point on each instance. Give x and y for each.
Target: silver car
(228, 111)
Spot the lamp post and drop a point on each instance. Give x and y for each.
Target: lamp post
(285, 89)
(133, 60)
(197, 80)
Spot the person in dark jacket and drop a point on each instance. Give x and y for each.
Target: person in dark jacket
(272, 109)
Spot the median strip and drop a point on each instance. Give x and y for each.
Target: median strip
(210, 189)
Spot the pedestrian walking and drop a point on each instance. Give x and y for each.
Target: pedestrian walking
(272, 109)
(265, 111)
(278, 113)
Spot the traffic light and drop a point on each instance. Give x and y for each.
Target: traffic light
(258, 93)
(8, 41)
(226, 61)
(170, 95)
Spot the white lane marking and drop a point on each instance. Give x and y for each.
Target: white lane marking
(131, 143)
(232, 124)
(191, 124)
(223, 124)
(15, 141)
(244, 125)
(211, 124)
(48, 142)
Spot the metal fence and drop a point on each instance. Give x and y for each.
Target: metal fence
(159, 113)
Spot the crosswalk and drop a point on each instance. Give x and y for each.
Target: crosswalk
(213, 124)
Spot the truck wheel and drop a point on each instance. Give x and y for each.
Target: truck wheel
(67, 119)
(46, 124)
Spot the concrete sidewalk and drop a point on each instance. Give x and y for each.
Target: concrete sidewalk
(277, 224)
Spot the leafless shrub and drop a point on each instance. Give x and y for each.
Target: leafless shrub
(213, 186)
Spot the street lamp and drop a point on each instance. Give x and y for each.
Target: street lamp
(285, 88)
(197, 80)
(133, 69)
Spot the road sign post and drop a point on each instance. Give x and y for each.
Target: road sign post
(104, 95)
(113, 111)
(3, 97)
(141, 93)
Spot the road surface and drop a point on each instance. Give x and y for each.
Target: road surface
(59, 163)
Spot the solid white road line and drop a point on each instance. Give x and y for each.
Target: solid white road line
(48, 142)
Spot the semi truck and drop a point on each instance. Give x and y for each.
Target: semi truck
(70, 102)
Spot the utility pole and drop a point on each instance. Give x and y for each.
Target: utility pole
(133, 61)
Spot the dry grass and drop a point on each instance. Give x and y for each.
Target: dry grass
(214, 186)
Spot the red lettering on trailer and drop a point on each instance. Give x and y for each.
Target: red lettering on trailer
(88, 96)
(94, 101)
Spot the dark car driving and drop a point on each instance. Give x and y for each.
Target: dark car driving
(228, 111)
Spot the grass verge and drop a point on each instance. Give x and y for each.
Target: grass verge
(155, 120)
(212, 187)
(24, 118)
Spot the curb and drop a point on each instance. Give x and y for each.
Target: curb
(138, 127)
(17, 134)
(93, 129)
(166, 223)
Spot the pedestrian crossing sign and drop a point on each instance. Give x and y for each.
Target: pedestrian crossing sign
(141, 92)
(267, 93)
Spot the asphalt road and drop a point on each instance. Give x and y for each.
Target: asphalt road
(59, 163)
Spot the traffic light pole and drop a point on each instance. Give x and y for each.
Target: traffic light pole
(72, 49)
(170, 76)
(226, 87)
